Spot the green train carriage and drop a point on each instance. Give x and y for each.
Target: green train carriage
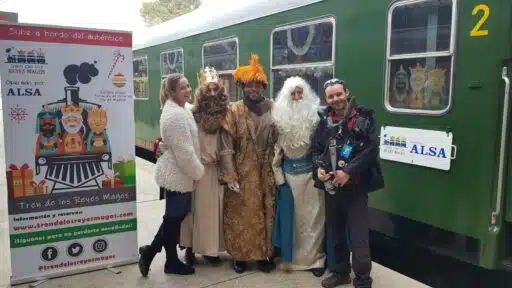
(462, 52)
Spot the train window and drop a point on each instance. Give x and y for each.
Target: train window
(420, 56)
(223, 56)
(171, 62)
(140, 78)
(305, 49)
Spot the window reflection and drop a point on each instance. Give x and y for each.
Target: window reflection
(140, 67)
(421, 83)
(315, 76)
(222, 56)
(171, 62)
(140, 78)
(423, 27)
(304, 44)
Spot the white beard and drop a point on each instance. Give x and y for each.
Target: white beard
(296, 124)
(73, 129)
(296, 120)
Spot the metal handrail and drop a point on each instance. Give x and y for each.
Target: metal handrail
(504, 127)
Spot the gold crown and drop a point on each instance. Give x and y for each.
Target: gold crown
(97, 112)
(436, 73)
(20, 52)
(251, 73)
(68, 109)
(418, 69)
(207, 75)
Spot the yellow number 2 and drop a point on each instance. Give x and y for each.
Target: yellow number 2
(477, 31)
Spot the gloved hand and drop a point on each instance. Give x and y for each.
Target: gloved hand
(161, 148)
(233, 185)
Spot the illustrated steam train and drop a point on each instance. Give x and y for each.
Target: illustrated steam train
(72, 142)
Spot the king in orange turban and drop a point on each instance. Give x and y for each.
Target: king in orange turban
(251, 73)
(246, 153)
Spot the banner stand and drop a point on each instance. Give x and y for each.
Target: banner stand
(68, 114)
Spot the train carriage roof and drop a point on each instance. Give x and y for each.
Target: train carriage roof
(210, 16)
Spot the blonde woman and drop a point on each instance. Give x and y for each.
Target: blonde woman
(176, 170)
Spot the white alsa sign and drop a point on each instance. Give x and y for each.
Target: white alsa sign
(420, 147)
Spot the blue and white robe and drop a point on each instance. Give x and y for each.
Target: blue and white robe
(299, 224)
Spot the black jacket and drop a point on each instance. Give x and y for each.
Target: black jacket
(364, 163)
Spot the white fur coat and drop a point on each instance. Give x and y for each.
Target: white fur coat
(180, 165)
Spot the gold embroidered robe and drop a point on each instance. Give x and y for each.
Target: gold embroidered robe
(247, 152)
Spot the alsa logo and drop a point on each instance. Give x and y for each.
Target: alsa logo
(428, 151)
(24, 92)
(395, 141)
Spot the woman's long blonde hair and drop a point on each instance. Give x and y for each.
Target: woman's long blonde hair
(168, 87)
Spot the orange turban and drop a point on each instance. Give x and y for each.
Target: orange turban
(251, 73)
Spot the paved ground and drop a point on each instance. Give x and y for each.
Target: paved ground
(150, 211)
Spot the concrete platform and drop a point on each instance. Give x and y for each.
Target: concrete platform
(150, 211)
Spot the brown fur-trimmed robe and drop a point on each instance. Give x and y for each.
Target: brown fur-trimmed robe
(202, 228)
(249, 213)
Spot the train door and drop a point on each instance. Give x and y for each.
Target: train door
(506, 76)
(504, 173)
(506, 90)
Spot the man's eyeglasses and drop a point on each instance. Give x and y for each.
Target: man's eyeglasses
(333, 81)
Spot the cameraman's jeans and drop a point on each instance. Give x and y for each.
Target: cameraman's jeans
(347, 210)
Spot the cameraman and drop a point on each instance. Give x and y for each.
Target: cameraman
(346, 132)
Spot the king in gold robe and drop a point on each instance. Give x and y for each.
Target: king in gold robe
(247, 151)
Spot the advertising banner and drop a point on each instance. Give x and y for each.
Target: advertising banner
(67, 98)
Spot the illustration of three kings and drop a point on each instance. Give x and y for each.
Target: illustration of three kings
(243, 147)
(76, 138)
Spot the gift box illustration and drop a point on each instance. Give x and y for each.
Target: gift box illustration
(125, 169)
(39, 188)
(19, 181)
(112, 182)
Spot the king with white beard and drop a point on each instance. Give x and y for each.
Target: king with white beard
(299, 217)
(72, 121)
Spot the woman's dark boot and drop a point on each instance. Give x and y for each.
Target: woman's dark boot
(145, 259)
(173, 264)
(148, 252)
